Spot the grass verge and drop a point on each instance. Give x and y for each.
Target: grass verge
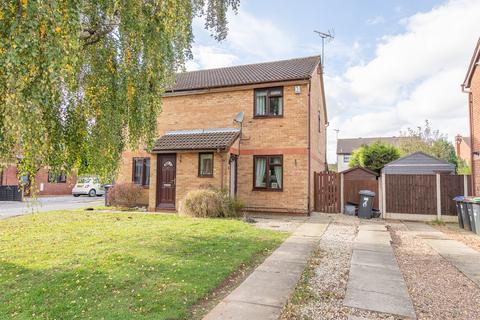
(91, 265)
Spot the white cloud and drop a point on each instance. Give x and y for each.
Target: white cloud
(207, 57)
(250, 39)
(414, 76)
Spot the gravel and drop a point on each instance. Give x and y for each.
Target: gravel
(320, 293)
(438, 290)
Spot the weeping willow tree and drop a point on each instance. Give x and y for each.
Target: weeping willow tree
(81, 80)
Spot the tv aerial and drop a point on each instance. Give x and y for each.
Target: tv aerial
(329, 36)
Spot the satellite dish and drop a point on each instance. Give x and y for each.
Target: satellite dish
(239, 117)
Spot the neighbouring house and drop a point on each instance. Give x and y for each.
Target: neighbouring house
(345, 148)
(471, 85)
(267, 160)
(463, 148)
(418, 163)
(46, 183)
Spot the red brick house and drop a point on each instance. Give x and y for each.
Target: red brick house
(45, 182)
(267, 161)
(471, 85)
(463, 148)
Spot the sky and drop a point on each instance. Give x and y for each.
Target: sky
(391, 66)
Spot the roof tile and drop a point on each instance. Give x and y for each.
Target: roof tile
(284, 70)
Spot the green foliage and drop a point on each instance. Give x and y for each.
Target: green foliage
(211, 203)
(82, 80)
(374, 156)
(463, 168)
(94, 265)
(429, 141)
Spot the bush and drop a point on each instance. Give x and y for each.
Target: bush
(211, 203)
(125, 195)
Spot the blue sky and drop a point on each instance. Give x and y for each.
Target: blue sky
(392, 64)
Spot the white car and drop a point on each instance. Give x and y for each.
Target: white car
(88, 186)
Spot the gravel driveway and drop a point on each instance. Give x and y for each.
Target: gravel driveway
(42, 204)
(437, 288)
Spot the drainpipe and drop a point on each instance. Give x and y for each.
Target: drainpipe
(309, 143)
(470, 111)
(221, 168)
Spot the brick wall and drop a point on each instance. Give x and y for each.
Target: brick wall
(474, 97)
(42, 185)
(463, 150)
(287, 135)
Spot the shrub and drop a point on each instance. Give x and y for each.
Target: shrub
(210, 203)
(125, 195)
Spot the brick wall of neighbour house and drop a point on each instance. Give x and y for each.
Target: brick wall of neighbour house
(475, 125)
(287, 136)
(463, 150)
(42, 185)
(317, 129)
(9, 176)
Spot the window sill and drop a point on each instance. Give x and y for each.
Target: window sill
(266, 117)
(267, 190)
(205, 176)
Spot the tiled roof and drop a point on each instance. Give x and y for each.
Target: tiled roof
(347, 146)
(284, 70)
(203, 139)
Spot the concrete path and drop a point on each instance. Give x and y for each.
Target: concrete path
(375, 282)
(264, 293)
(464, 258)
(15, 208)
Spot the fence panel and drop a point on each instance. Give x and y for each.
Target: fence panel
(327, 192)
(411, 193)
(11, 193)
(450, 187)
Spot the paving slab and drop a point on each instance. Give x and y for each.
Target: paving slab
(264, 293)
(375, 282)
(236, 310)
(464, 258)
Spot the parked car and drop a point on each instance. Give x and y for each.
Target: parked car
(88, 186)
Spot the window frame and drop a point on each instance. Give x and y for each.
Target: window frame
(58, 177)
(345, 156)
(200, 175)
(267, 188)
(143, 176)
(267, 104)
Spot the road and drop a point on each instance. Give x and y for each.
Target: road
(15, 208)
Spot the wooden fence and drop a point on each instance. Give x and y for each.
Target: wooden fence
(327, 192)
(417, 194)
(400, 194)
(410, 193)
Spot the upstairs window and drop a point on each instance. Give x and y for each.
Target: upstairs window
(346, 158)
(59, 178)
(141, 171)
(268, 102)
(268, 173)
(205, 164)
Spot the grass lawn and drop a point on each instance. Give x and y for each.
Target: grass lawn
(94, 265)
